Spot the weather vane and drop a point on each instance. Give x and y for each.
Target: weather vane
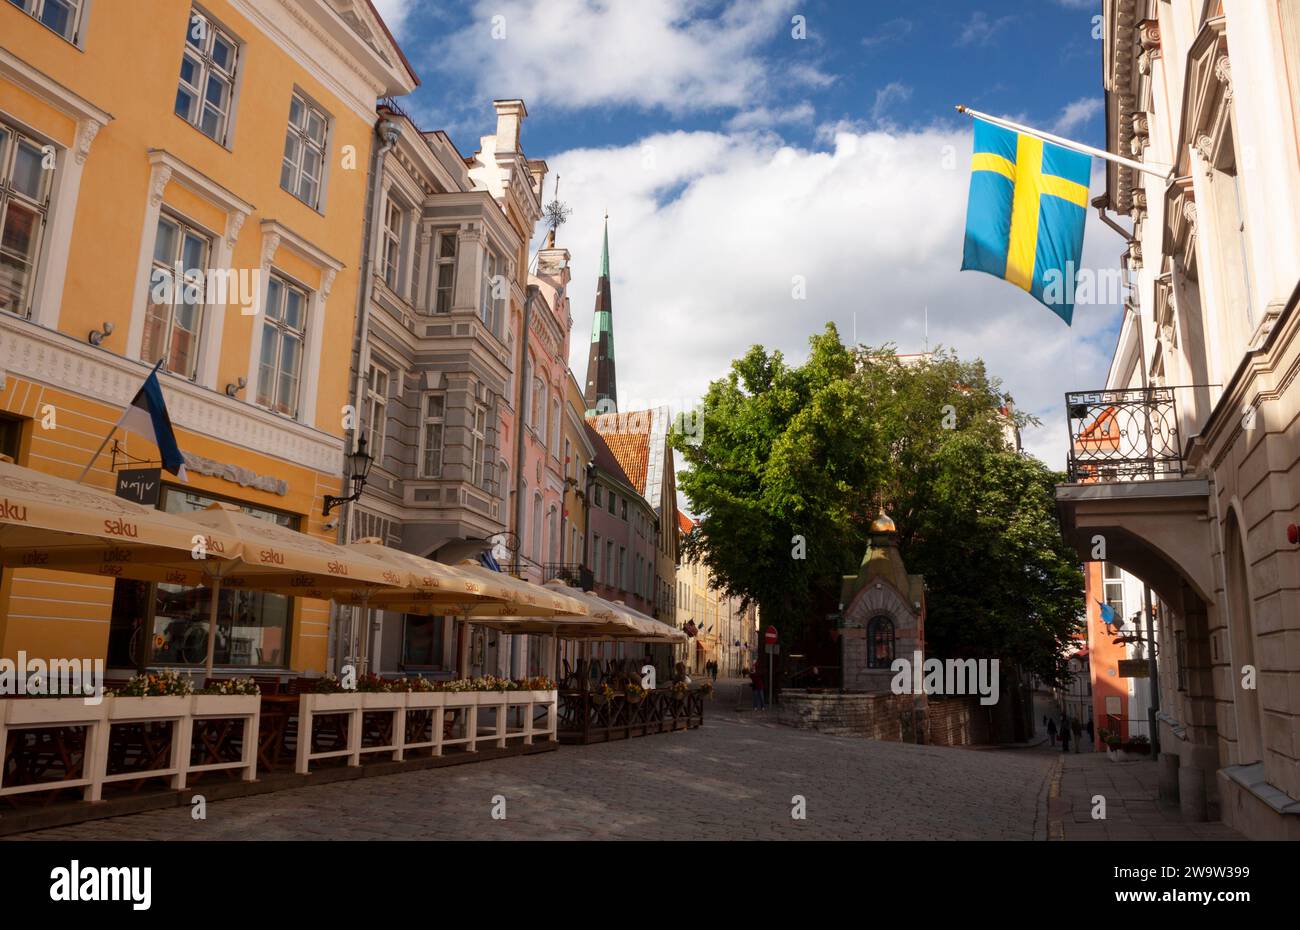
(556, 212)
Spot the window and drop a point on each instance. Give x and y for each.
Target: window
(391, 249)
(609, 563)
(537, 408)
(1113, 587)
(624, 508)
(445, 287)
(595, 556)
(595, 498)
(283, 337)
(207, 81)
(422, 642)
(304, 150)
(11, 434)
(622, 568)
(62, 16)
(880, 642)
(167, 624)
(555, 428)
(479, 450)
(435, 412)
(24, 198)
(376, 412)
(493, 291)
(174, 318)
(612, 499)
(537, 528)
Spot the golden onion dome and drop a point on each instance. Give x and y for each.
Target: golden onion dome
(883, 523)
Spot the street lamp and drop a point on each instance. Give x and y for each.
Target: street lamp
(359, 463)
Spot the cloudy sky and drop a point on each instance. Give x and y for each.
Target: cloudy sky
(734, 158)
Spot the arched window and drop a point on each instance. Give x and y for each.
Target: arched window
(555, 427)
(537, 528)
(880, 642)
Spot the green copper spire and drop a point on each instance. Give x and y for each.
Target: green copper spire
(604, 253)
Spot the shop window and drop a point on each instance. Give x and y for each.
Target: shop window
(11, 434)
(422, 642)
(167, 624)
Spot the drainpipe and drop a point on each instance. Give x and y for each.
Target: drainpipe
(522, 419)
(389, 132)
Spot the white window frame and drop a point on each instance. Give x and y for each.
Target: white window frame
(206, 67)
(490, 306)
(377, 410)
(183, 227)
(478, 446)
(41, 207)
(390, 248)
(36, 10)
(431, 464)
(440, 262)
(306, 143)
(273, 319)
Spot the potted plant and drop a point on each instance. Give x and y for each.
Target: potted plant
(679, 689)
(153, 696)
(603, 694)
(236, 697)
(329, 695)
(633, 693)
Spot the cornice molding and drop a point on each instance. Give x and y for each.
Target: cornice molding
(55, 359)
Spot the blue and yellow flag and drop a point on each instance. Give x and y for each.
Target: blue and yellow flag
(1024, 219)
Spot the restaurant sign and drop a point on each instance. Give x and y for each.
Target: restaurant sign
(140, 485)
(1133, 668)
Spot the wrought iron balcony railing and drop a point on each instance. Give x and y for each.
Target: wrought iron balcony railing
(570, 573)
(1124, 435)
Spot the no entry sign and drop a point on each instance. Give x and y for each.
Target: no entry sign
(770, 636)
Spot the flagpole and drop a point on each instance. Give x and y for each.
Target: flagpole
(95, 458)
(1163, 172)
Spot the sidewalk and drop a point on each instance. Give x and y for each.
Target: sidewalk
(1131, 806)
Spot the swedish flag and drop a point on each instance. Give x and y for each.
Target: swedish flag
(1025, 216)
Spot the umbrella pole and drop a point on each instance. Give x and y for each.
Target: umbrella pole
(212, 624)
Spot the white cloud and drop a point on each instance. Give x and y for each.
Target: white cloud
(1076, 114)
(980, 30)
(394, 13)
(888, 32)
(873, 222)
(652, 53)
(766, 117)
(892, 93)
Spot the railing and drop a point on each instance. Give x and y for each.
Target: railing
(1124, 435)
(590, 717)
(569, 572)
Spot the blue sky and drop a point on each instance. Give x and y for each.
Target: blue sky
(734, 158)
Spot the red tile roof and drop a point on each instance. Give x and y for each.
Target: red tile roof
(606, 461)
(628, 438)
(685, 523)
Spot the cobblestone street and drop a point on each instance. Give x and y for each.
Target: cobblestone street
(733, 779)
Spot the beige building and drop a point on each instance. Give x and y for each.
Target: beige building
(1185, 468)
(724, 632)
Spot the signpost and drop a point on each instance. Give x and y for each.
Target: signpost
(770, 638)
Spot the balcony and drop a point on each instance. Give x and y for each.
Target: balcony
(1129, 498)
(570, 573)
(1123, 435)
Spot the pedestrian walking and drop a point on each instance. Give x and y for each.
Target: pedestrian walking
(1091, 739)
(1065, 733)
(756, 682)
(1051, 732)
(1076, 729)
(715, 672)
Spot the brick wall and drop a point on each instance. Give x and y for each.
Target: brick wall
(893, 717)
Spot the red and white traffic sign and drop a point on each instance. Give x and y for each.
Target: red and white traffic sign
(770, 636)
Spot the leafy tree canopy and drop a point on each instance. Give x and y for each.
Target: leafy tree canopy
(792, 461)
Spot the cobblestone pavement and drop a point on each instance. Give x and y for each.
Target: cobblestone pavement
(1132, 808)
(732, 779)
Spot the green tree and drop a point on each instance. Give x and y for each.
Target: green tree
(811, 451)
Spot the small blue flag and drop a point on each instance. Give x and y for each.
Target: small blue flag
(1108, 616)
(1025, 214)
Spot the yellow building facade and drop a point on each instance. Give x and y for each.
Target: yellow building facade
(226, 146)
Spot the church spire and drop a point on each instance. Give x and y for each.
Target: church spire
(601, 392)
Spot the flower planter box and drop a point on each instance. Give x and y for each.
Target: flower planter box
(225, 705)
(461, 698)
(148, 708)
(17, 712)
(380, 700)
(329, 703)
(419, 700)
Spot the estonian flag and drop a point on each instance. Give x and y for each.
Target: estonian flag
(1025, 216)
(146, 416)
